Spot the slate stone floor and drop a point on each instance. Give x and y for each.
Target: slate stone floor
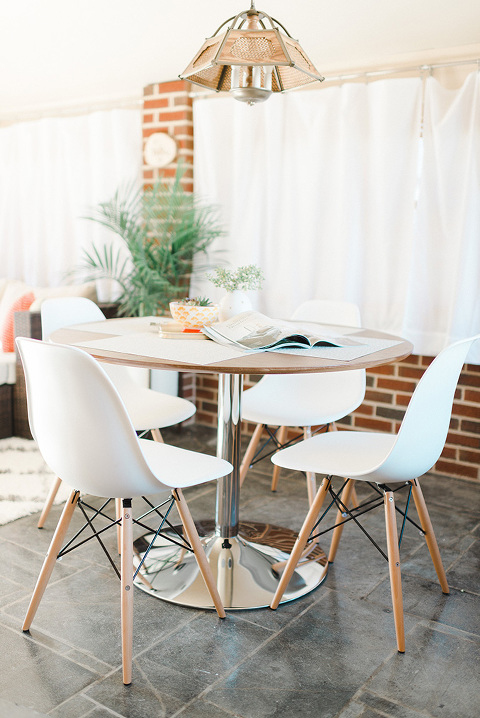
(331, 653)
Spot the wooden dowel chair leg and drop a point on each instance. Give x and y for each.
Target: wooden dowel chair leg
(250, 452)
(157, 436)
(337, 532)
(194, 540)
(282, 433)
(301, 542)
(50, 558)
(49, 502)
(394, 569)
(118, 516)
(311, 478)
(427, 527)
(126, 564)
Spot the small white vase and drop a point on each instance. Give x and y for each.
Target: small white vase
(233, 303)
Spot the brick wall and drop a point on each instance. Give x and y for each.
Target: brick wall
(168, 108)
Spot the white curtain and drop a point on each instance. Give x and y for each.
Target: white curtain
(52, 172)
(321, 189)
(444, 283)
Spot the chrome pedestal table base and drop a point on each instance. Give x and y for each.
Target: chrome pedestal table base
(243, 566)
(242, 555)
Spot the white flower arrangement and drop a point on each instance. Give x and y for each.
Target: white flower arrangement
(248, 277)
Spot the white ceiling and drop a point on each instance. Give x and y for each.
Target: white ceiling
(56, 52)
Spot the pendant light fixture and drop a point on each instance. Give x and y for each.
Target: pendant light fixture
(251, 59)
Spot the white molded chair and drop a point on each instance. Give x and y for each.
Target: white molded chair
(304, 400)
(85, 436)
(148, 410)
(383, 459)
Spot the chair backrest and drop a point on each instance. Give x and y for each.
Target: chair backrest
(340, 392)
(424, 428)
(66, 311)
(80, 423)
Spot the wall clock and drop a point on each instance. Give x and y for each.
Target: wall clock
(160, 150)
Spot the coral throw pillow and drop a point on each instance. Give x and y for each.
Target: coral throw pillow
(20, 305)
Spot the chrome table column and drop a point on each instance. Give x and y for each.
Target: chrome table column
(246, 558)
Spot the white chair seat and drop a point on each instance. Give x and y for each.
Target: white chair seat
(181, 467)
(355, 454)
(148, 409)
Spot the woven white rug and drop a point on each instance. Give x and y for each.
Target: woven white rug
(25, 480)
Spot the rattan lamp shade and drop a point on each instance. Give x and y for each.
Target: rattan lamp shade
(252, 58)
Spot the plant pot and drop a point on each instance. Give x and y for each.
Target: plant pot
(191, 317)
(234, 303)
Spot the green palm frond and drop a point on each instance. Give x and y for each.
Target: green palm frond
(162, 228)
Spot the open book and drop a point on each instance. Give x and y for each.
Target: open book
(255, 331)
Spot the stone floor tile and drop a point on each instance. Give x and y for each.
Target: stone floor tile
(424, 598)
(438, 674)
(36, 677)
(139, 700)
(314, 665)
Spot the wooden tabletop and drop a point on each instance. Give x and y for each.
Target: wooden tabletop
(258, 363)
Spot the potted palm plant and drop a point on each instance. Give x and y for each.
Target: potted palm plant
(161, 229)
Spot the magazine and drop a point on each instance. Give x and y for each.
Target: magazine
(256, 332)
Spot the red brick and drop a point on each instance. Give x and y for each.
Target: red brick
(157, 104)
(386, 369)
(147, 131)
(471, 395)
(182, 100)
(372, 424)
(206, 394)
(378, 397)
(473, 367)
(174, 116)
(426, 361)
(185, 143)
(466, 410)
(147, 118)
(469, 380)
(396, 385)
(173, 86)
(456, 469)
(472, 457)
(450, 453)
(205, 419)
(471, 427)
(365, 409)
(463, 440)
(410, 372)
(413, 359)
(183, 130)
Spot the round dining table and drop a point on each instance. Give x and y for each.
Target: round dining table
(246, 557)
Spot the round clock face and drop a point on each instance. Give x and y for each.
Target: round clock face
(160, 150)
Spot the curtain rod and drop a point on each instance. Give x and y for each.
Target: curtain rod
(370, 73)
